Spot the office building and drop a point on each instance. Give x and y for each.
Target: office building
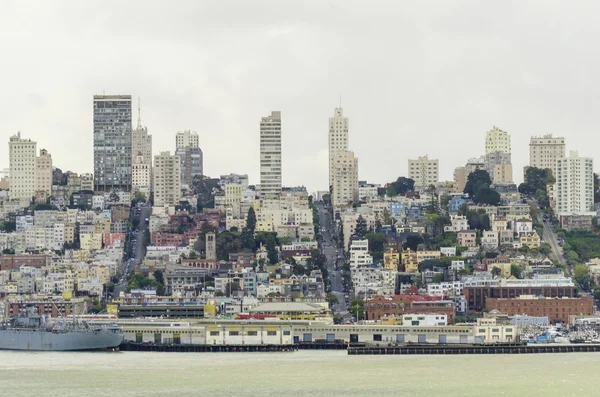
(22, 162)
(141, 142)
(167, 179)
(191, 163)
(140, 175)
(345, 178)
(545, 150)
(112, 142)
(338, 139)
(497, 140)
(270, 154)
(187, 138)
(424, 171)
(574, 188)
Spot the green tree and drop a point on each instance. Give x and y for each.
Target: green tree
(496, 272)
(251, 220)
(357, 308)
(361, 227)
(545, 249)
(332, 299)
(387, 219)
(515, 270)
(581, 275)
(437, 278)
(400, 186)
(413, 240)
(477, 180)
(486, 195)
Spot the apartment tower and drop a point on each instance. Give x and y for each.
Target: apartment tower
(338, 139)
(22, 163)
(345, 177)
(544, 151)
(167, 179)
(112, 142)
(424, 171)
(43, 174)
(497, 140)
(574, 188)
(270, 154)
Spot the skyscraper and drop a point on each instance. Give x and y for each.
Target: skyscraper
(167, 179)
(270, 154)
(338, 139)
(43, 174)
(345, 177)
(545, 150)
(497, 140)
(187, 147)
(187, 138)
(574, 188)
(22, 161)
(112, 142)
(141, 142)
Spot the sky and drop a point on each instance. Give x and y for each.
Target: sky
(415, 78)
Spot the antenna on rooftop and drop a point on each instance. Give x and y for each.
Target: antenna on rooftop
(340, 100)
(139, 114)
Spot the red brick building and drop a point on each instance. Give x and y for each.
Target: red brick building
(477, 296)
(379, 307)
(8, 262)
(556, 309)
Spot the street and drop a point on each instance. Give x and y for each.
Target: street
(550, 238)
(128, 266)
(332, 253)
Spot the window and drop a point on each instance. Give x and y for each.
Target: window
(214, 333)
(271, 333)
(252, 333)
(287, 333)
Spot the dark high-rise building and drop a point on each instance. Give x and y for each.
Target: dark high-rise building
(112, 142)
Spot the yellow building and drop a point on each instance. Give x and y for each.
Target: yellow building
(532, 239)
(102, 226)
(101, 272)
(428, 255)
(410, 261)
(264, 226)
(90, 241)
(504, 268)
(391, 259)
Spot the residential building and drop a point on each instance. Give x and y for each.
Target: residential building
(458, 223)
(141, 174)
(192, 164)
(497, 140)
(359, 253)
(234, 178)
(466, 238)
(270, 154)
(23, 165)
(556, 309)
(345, 178)
(112, 142)
(574, 185)
(391, 259)
(187, 138)
(424, 171)
(499, 167)
(545, 150)
(167, 180)
(489, 240)
(531, 239)
(338, 140)
(43, 174)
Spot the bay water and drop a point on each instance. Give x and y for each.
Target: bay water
(302, 373)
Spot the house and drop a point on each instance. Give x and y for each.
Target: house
(459, 222)
(466, 238)
(530, 239)
(391, 259)
(489, 240)
(410, 262)
(499, 223)
(522, 225)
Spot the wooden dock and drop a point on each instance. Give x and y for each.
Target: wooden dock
(472, 349)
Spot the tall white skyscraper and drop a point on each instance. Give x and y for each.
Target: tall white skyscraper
(497, 140)
(270, 154)
(345, 177)
(112, 142)
(167, 179)
(187, 138)
(338, 139)
(545, 150)
(574, 188)
(22, 162)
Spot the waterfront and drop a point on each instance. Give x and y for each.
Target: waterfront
(302, 373)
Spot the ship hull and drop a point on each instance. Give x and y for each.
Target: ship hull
(67, 341)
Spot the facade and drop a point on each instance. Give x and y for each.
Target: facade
(556, 309)
(466, 238)
(187, 138)
(112, 142)
(338, 139)
(141, 175)
(270, 154)
(22, 159)
(43, 174)
(167, 180)
(141, 143)
(498, 165)
(497, 140)
(380, 307)
(345, 178)
(424, 171)
(574, 185)
(477, 296)
(192, 163)
(545, 150)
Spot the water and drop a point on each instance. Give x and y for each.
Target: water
(303, 373)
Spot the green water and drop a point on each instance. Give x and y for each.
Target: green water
(303, 373)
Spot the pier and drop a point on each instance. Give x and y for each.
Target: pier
(176, 348)
(472, 349)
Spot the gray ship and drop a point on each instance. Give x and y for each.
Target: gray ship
(40, 333)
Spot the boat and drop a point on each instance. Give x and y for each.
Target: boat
(35, 332)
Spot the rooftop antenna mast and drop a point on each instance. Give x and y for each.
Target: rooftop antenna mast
(139, 114)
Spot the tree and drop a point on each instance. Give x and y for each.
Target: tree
(545, 249)
(138, 197)
(596, 188)
(413, 240)
(387, 219)
(357, 308)
(361, 227)
(332, 299)
(477, 180)
(486, 195)
(400, 186)
(437, 278)
(515, 270)
(251, 220)
(496, 272)
(581, 275)
(158, 276)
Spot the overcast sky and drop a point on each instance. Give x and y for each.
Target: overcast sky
(416, 78)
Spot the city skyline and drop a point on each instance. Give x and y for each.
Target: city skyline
(440, 88)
